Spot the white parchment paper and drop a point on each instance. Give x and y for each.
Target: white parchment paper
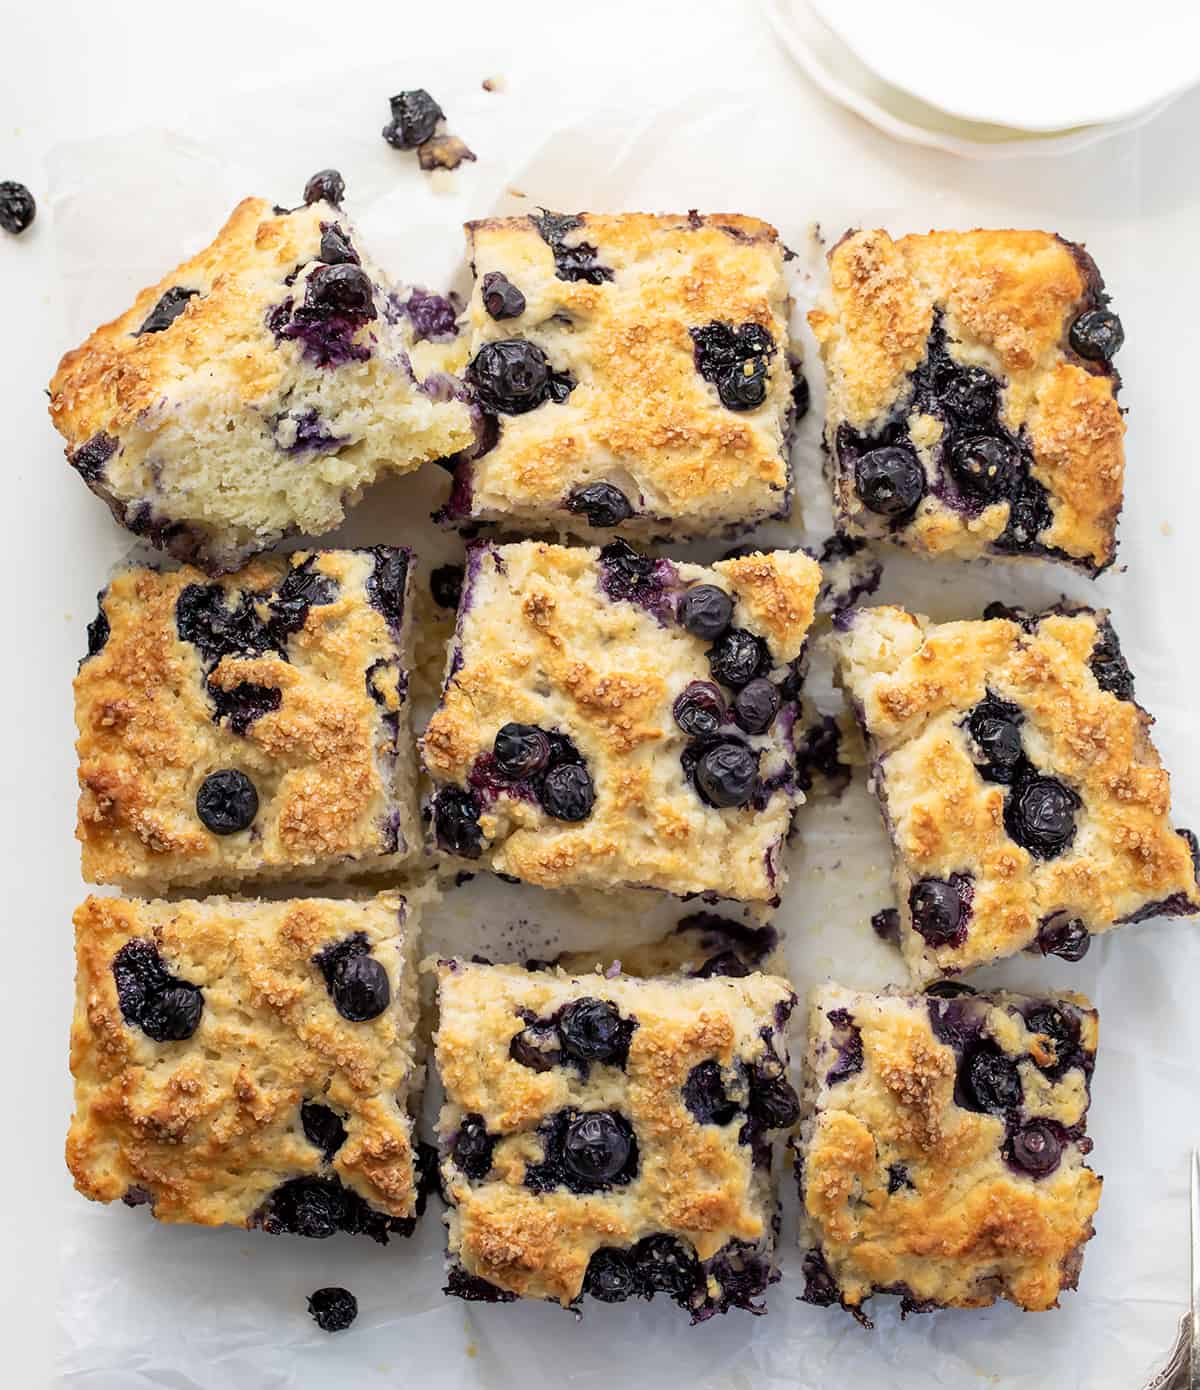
(144, 1305)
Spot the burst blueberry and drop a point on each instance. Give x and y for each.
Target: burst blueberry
(340, 289)
(520, 750)
(445, 584)
(611, 1276)
(325, 186)
(705, 1096)
(988, 1080)
(984, 466)
(333, 1309)
(171, 304)
(970, 395)
(472, 1147)
(666, 1266)
(415, 115)
(323, 1128)
(1069, 939)
(500, 296)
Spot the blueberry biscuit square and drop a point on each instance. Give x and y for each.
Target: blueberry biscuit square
(1026, 805)
(972, 398)
(613, 719)
(250, 727)
(256, 390)
(250, 1064)
(611, 1136)
(941, 1148)
(637, 371)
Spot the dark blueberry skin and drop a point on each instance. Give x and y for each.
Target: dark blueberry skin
(1029, 515)
(472, 1147)
(173, 302)
(500, 296)
(1067, 939)
(849, 1047)
(513, 376)
(456, 822)
(801, 399)
(445, 584)
(312, 1207)
(415, 116)
(17, 208)
(886, 925)
(1097, 334)
(699, 710)
(471, 1289)
(1060, 1030)
(89, 459)
(601, 503)
(576, 262)
(705, 1097)
(988, 1081)
(567, 792)
(971, 395)
(773, 1099)
(756, 705)
(238, 707)
(335, 246)
(611, 1276)
(820, 1287)
(596, 1147)
(949, 989)
(227, 801)
(361, 989)
(743, 386)
(1035, 1148)
(325, 186)
(592, 1030)
(164, 1007)
(939, 912)
(705, 611)
(995, 725)
(736, 658)
(1039, 814)
(890, 481)
(387, 583)
(340, 289)
(898, 1179)
(663, 1265)
(520, 750)
(984, 466)
(323, 1128)
(537, 1046)
(333, 1309)
(735, 362)
(1108, 665)
(726, 774)
(98, 630)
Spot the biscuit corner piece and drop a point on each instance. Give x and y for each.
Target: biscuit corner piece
(250, 1064)
(611, 1136)
(941, 1148)
(257, 389)
(637, 371)
(611, 719)
(1026, 805)
(249, 728)
(972, 397)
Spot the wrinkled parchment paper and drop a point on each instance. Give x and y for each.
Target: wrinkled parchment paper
(144, 1305)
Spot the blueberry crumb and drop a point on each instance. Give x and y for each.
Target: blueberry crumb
(333, 1309)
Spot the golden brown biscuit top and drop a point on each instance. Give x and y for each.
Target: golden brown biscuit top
(917, 685)
(943, 1146)
(1005, 302)
(294, 677)
(208, 1126)
(640, 415)
(519, 1225)
(546, 638)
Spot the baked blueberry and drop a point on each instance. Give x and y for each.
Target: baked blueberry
(17, 207)
(737, 657)
(988, 1080)
(1029, 515)
(1109, 666)
(576, 262)
(1035, 1147)
(98, 630)
(598, 1147)
(995, 725)
(971, 395)
(567, 792)
(445, 584)
(898, 1178)
(172, 303)
(1069, 939)
(89, 459)
(387, 583)
(726, 774)
(510, 376)
(700, 709)
(984, 466)
(172, 1014)
(664, 1265)
(537, 1046)
(773, 1099)
(311, 1207)
(938, 911)
(1039, 814)
(705, 611)
(520, 750)
(603, 504)
(415, 116)
(756, 705)
(333, 1309)
(847, 1044)
(743, 385)
(1061, 1031)
(227, 801)
(1097, 334)
(340, 289)
(323, 1128)
(592, 1030)
(456, 822)
(335, 248)
(360, 988)
(325, 186)
(611, 1276)
(472, 1147)
(500, 296)
(705, 1096)
(890, 480)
